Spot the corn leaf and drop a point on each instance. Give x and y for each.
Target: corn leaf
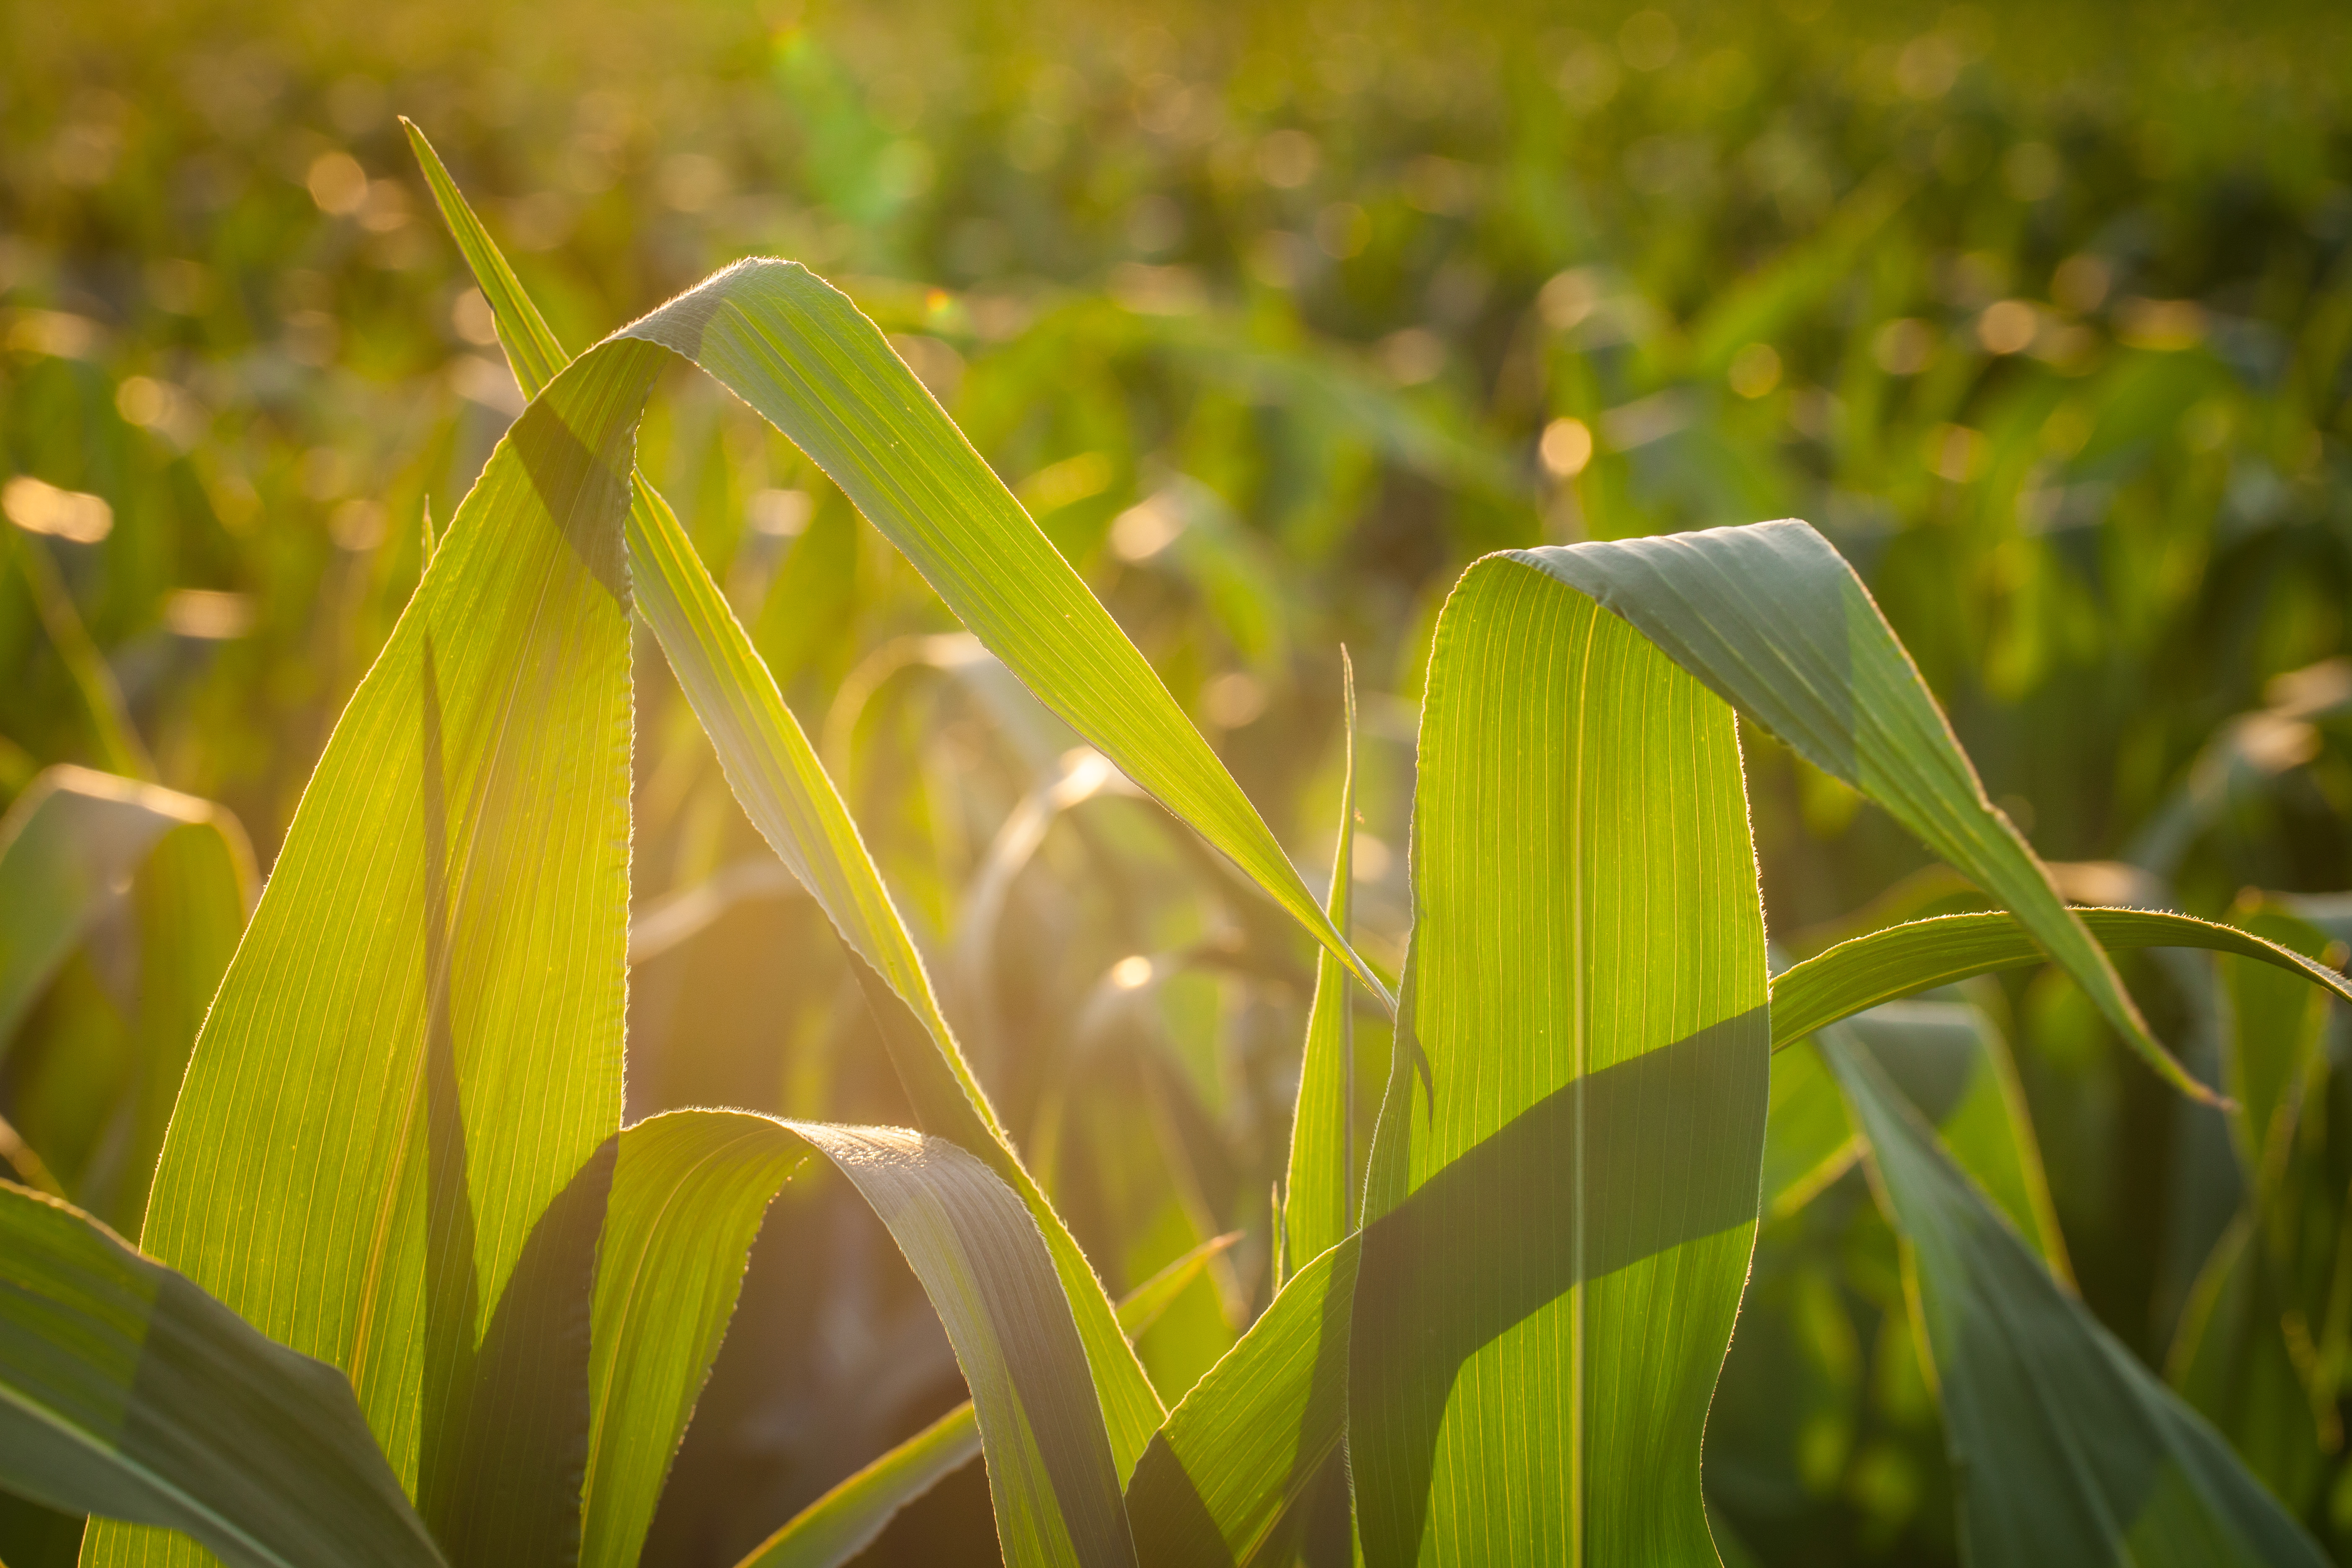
(1773, 619)
(1955, 1070)
(395, 1138)
(1316, 1210)
(126, 1390)
(850, 1515)
(1564, 1179)
(688, 1192)
(2065, 1448)
(1904, 960)
(776, 775)
(795, 349)
(1225, 1475)
(2275, 1029)
(2242, 1353)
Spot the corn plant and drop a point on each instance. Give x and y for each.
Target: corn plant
(408, 1292)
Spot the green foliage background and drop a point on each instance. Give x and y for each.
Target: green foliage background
(1274, 318)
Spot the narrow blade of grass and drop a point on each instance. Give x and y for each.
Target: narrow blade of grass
(1316, 1210)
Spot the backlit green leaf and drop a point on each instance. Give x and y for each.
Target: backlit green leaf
(1317, 1207)
(1564, 1182)
(1774, 620)
(393, 1142)
(1222, 1478)
(777, 778)
(1904, 960)
(849, 1516)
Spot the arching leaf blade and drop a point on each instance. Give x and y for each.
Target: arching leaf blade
(847, 1518)
(1904, 960)
(796, 348)
(689, 1195)
(1772, 618)
(782, 787)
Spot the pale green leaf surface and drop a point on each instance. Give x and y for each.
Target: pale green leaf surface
(842, 1522)
(784, 789)
(1316, 1210)
(126, 1390)
(2065, 1449)
(1772, 618)
(1904, 960)
(1564, 1183)
(406, 1088)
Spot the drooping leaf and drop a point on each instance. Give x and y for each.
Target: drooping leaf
(687, 1196)
(1564, 1182)
(1952, 1065)
(797, 351)
(689, 1190)
(1317, 1207)
(1904, 960)
(1955, 1070)
(842, 1522)
(126, 1390)
(392, 1145)
(776, 776)
(2065, 1448)
(1774, 620)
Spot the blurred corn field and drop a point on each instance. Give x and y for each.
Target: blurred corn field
(1273, 322)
